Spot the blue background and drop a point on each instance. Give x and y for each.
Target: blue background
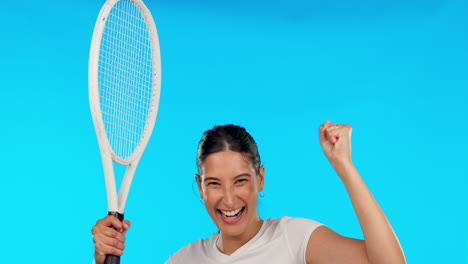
(395, 70)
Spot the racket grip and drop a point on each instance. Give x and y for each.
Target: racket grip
(112, 259)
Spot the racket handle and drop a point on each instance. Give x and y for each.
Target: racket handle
(112, 259)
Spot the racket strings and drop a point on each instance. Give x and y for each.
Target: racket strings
(129, 29)
(126, 114)
(136, 41)
(130, 131)
(103, 103)
(113, 54)
(105, 99)
(125, 77)
(128, 78)
(126, 89)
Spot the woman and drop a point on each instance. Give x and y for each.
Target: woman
(229, 179)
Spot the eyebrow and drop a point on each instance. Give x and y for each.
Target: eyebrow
(243, 175)
(238, 176)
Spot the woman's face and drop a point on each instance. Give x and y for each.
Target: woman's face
(229, 188)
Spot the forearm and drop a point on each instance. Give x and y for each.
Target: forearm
(382, 245)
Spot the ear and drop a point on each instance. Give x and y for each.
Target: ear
(261, 178)
(198, 179)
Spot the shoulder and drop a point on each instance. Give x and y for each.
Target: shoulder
(292, 224)
(197, 251)
(298, 232)
(290, 227)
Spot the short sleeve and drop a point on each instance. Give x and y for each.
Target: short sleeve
(298, 232)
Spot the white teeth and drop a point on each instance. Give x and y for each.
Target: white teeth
(231, 213)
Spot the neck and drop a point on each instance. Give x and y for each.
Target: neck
(229, 244)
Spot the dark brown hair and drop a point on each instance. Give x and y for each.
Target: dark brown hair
(228, 137)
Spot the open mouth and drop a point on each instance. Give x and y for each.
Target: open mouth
(232, 216)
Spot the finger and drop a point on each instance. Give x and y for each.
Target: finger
(110, 241)
(342, 127)
(113, 221)
(333, 133)
(322, 136)
(333, 126)
(102, 249)
(102, 230)
(322, 129)
(108, 221)
(340, 131)
(112, 233)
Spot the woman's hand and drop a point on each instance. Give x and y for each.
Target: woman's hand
(335, 140)
(109, 241)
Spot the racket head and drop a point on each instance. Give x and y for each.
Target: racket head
(124, 78)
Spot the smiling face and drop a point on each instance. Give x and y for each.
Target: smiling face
(229, 188)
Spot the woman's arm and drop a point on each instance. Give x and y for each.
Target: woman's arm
(380, 243)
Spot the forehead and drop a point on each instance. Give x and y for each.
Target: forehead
(226, 163)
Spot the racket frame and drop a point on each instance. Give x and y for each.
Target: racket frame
(116, 203)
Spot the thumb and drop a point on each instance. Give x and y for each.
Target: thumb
(125, 226)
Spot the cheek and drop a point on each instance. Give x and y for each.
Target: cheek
(247, 192)
(211, 197)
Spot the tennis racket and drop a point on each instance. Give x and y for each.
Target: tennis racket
(124, 89)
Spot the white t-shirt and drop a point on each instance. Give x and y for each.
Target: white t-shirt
(280, 241)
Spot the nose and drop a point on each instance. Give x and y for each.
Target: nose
(229, 197)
